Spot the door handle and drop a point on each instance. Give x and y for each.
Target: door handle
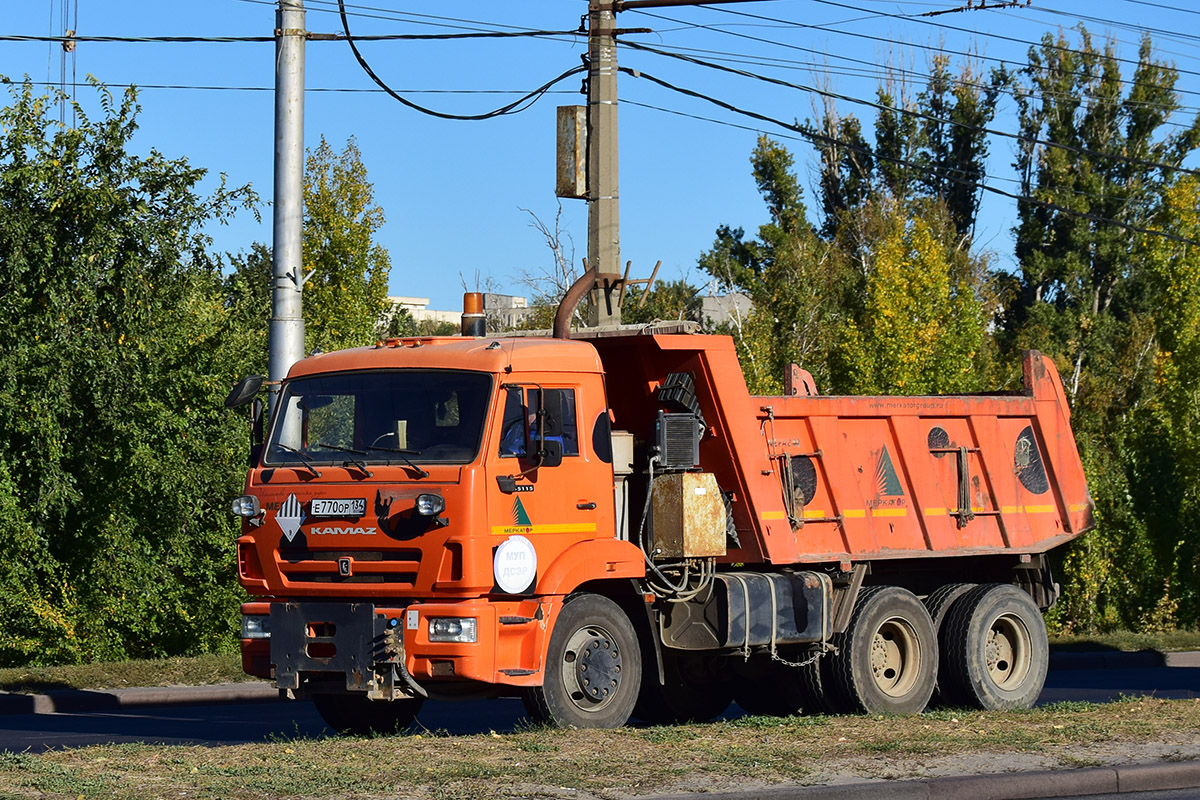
(585, 506)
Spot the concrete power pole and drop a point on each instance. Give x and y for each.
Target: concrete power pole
(286, 338)
(604, 237)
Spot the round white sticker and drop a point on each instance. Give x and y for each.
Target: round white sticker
(515, 565)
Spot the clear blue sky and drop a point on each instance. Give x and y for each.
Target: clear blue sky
(453, 191)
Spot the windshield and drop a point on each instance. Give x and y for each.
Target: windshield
(380, 417)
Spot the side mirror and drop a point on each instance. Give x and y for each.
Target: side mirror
(550, 453)
(243, 392)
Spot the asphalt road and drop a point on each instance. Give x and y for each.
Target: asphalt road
(224, 723)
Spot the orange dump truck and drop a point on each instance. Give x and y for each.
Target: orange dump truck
(613, 526)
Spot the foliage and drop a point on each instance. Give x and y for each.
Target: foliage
(347, 293)
(677, 300)
(789, 276)
(1108, 305)
(891, 302)
(116, 459)
(920, 329)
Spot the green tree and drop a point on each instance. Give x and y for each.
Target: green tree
(919, 328)
(788, 274)
(346, 297)
(676, 300)
(929, 146)
(116, 459)
(1096, 161)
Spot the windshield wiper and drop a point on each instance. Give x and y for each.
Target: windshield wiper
(404, 456)
(305, 457)
(357, 463)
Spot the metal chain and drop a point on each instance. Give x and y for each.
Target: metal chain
(825, 648)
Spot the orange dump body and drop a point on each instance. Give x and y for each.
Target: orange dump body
(846, 479)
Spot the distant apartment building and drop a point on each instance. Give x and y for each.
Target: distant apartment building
(507, 311)
(503, 310)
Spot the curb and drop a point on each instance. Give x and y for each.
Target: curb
(110, 699)
(1003, 786)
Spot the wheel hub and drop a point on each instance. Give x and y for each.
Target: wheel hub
(895, 657)
(598, 667)
(1006, 652)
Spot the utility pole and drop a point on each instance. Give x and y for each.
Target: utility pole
(604, 236)
(286, 338)
(602, 192)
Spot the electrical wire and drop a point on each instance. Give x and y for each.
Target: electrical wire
(265, 39)
(511, 108)
(885, 40)
(314, 89)
(1164, 6)
(875, 72)
(814, 136)
(1138, 162)
(956, 28)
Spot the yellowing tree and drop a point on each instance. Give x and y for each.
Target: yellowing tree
(920, 328)
(347, 294)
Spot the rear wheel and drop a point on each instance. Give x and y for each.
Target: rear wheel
(938, 602)
(996, 653)
(355, 715)
(593, 667)
(886, 660)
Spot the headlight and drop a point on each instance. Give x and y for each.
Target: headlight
(452, 629)
(256, 627)
(246, 506)
(430, 505)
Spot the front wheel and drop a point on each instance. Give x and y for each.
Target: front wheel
(995, 652)
(593, 667)
(356, 715)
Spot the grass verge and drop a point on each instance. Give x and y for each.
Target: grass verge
(190, 671)
(540, 762)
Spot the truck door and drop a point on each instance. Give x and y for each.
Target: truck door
(550, 505)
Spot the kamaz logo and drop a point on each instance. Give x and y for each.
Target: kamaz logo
(343, 531)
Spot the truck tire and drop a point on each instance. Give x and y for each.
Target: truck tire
(678, 700)
(886, 660)
(938, 602)
(593, 667)
(995, 652)
(355, 715)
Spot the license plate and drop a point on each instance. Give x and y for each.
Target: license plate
(355, 507)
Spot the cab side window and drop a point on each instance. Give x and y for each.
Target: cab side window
(519, 428)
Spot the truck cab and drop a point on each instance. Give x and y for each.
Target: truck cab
(420, 510)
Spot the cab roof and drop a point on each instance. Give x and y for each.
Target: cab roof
(493, 354)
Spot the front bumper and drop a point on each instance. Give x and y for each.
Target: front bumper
(385, 651)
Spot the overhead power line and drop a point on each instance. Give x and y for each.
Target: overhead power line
(312, 89)
(510, 108)
(820, 138)
(269, 39)
(892, 41)
(917, 114)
